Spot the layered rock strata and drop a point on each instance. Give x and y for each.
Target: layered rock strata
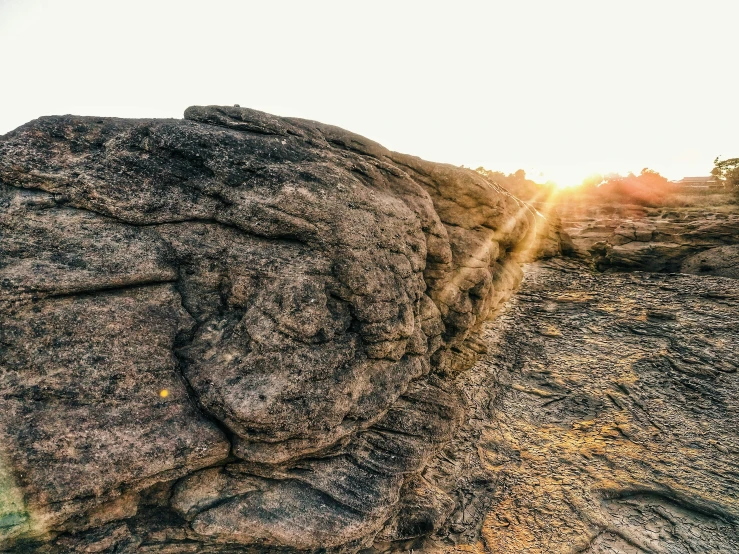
(603, 420)
(699, 240)
(235, 332)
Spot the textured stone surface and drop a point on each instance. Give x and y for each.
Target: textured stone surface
(696, 240)
(603, 420)
(235, 332)
(722, 261)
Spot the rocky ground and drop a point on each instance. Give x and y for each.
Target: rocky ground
(700, 238)
(603, 420)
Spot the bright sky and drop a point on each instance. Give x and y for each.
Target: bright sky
(561, 87)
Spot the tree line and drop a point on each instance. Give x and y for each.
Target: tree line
(727, 172)
(648, 188)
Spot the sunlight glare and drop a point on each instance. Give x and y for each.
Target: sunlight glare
(562, 178)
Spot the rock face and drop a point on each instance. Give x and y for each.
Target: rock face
(603, 420)
(235, 332)
(698, 240)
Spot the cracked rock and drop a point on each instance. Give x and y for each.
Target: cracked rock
(234, 331)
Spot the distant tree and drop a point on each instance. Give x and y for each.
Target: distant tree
(517, 184)
(648, 188)
(727, 172)
(651, 177)
(591, 182)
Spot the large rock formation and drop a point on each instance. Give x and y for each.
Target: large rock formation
(234, 332)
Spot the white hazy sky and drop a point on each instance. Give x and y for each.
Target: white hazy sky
(561, 87)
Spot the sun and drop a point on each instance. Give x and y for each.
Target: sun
(562, 179)
(563, 185)
(566, 177)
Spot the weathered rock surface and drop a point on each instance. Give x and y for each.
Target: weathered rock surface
(604, 420)
(235, 332)
(722, 261)
(698, 240)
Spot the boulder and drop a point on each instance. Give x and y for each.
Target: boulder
(722, 261)
(235, 331)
